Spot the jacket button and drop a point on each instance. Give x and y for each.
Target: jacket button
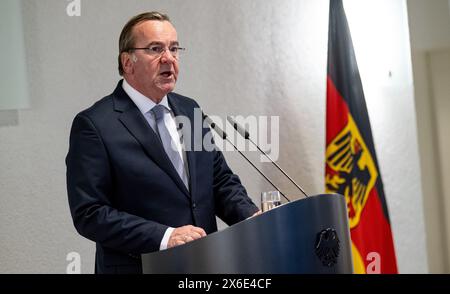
(194, 205)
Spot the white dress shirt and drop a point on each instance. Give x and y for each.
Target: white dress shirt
(145, 105)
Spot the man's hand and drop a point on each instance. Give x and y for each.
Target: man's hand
(257, 213)
(185, 234)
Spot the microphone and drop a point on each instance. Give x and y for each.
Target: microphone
(244, 133)
(224, 136)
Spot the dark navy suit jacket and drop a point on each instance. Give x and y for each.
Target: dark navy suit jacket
(124, 192)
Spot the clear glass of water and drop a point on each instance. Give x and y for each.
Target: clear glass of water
(270, 200)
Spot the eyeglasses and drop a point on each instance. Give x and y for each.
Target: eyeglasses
(158, 50)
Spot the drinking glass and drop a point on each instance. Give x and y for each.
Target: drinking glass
(270, 200)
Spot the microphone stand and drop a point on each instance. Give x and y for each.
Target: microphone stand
(224, 136)
(244, 133)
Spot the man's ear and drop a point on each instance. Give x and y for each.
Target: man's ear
(127, 60)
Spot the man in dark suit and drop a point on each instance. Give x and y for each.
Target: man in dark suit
(133, 186)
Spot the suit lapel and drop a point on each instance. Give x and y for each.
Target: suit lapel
(190, 153)
(135, 123)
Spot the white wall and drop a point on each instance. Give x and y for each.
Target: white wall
(438, 74)
(440, 83)
(433, 197)
(244, 57)
(13, 81)
(429, 23)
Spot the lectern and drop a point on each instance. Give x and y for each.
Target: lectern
(309, 235)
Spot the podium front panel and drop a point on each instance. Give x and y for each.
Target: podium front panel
(309, 235)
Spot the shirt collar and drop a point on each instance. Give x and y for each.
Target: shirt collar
(142, 102)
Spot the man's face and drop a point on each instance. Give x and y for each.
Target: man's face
(153, 75)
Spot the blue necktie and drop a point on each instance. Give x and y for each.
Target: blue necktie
(168, 144)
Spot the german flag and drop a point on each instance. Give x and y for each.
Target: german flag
(351, 163)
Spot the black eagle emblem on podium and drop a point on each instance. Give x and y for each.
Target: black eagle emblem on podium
(327, 247)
